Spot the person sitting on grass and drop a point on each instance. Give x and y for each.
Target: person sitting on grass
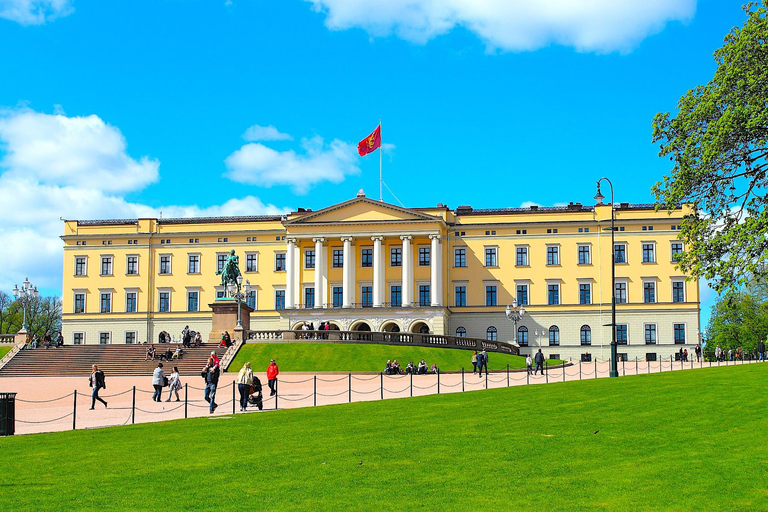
(388, 368)
(395, 367)
(422, 367)
(409, 369)
(433, 369)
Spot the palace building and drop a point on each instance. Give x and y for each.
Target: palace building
(368, 265)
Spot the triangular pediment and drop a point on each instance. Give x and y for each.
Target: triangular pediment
(361, 210)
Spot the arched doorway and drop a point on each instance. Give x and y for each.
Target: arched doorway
(390, 327)
(361, 327)
(420, 327)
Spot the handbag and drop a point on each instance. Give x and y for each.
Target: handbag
(165, 381)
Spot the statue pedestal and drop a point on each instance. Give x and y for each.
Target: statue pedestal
(225, 319)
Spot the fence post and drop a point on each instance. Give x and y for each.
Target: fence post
(350, 387)
(648, 365)
(74, 410)
(233, 397)
(623, 367)
(186, 395)
(462, 379)
(637, 368)
(579, 370)
(133, 407)
(595, 367)
(527, 375)
(486, 377)
(507, 374)
(546, 371)
(381, 384)
(563, 366)
(411, 384)
(275, 394)
(314, 391)
(438, 381)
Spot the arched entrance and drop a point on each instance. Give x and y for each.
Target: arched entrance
(420, 327)
(361, 327)
(390, 326)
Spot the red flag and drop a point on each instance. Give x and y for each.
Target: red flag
(370, 143)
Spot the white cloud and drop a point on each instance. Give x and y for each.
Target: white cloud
(512, 25)
(256, 133)
(34, 12)
(256, 164)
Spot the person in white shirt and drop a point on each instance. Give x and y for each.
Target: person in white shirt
(529, 364)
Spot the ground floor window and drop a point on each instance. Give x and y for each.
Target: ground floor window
(586, 358)
(491, 334)
(78, 338)
(650, 356)
(104, 338)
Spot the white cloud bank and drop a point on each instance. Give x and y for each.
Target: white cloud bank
(512, 25)
(34, 12)
(256, 133)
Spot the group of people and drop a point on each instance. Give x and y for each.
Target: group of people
(393, 368)
(168, 355)
(323, 326)
(226, 340)
(47, 341)
(479, 361)
(160, 381)
(188, 337)
(538, 359)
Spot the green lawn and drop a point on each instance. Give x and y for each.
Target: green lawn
(5, 349)
(360, 357)
(690, 440)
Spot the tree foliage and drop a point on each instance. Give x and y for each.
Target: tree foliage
(718, 144)
(739, 319)
(43, 314)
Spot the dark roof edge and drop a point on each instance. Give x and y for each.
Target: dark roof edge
(182, 220)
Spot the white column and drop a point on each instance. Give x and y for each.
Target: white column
(378, 271)
(436, 269)
(319, 272)
(347, 272)
(290, 276)
(407, 284)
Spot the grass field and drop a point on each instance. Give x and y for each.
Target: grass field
(691, 440)
(360, 357)
(4, 350)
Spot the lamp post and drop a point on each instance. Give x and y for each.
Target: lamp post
(25, 294)
(239, 291)
(599, 198)
(515, 314)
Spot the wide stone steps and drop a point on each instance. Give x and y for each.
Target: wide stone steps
(74, 360)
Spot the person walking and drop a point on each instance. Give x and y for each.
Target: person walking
(474, 362)
(481, 362)
(174, 384)
(244, 383)
(211, 376)
(760, 350)
(272, 373)
(539, 360)
(158, 381)
(97, 382)
(529, 364)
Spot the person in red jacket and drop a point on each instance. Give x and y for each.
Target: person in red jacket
(272, 372)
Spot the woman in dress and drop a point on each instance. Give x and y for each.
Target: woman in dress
(174, 384)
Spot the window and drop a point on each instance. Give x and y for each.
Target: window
(490, 295)
(461, 332)
(423, 256)
(219, 294)
(309, 259)
(130, 302)
(523, 231)
(279, 262)
(460, 257)
(553, 255)
(584, 256)
(252, 262)
(337, 258)
(621, 293)
(367, 296)
(78, 338)
(678, 291)
(649, 292)
(620, 253)
(522, 294)
(250, 299)
(79, 303)
(132, 266)
(461, 296)
(193, 264)
(165, 264)
(193, 301)
(621, 334)
(338, 296)
(679, 334)
(522, 336)
(395, 295)
(396, 257)
(279, 299)
(650, 334)
(104, 338)
(521, 256)
(424, 295)
(583, 230)
(648, 253)
(106, 265)
(221, 260)
(677, 250)
(491, 259)
(650, 356)
(586, 358)
(164, 305)
(585, 293)
(550, 230)
(367, 258)
(491, 334)
(586, 335)
(80, 268)
(309, 297)
(106, 303)
(554, 336)
(553, 294)
(130, 337)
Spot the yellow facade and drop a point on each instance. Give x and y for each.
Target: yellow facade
(465, 266)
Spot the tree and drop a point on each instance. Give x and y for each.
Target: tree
(718, 144)
(43, 314)
(739, 319)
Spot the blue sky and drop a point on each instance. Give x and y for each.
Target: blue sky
(111, 109)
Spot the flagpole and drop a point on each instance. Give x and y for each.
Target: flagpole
(381, 159)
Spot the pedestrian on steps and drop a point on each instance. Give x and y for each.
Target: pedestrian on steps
(97, 382)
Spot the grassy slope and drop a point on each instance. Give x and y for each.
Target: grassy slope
(359, 357)
(663, 442)
(4, 350)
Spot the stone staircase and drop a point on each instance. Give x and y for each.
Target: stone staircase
(76, 360)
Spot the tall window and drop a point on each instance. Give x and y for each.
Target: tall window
(165, 264)
(585, 293)
(367, 296)
(521, 257)
(584, 257)
(396, 257)
(78, 338)
(621, 334)
(395, 295)
(338, 296)
(279, 262)
(553, 294)
(423, 256)
(106, 303)
(367, 258)
(106, 265)
(221, 260)
(461, 332)
(461, 296)
(165, 302)
(554, 336)
(80, 266)
(491, 334)
(679, 334)
(250, 299)
(251, 262)
(491, 259)
(79, 303)
(621, 293)
(337, 258)
(424, 295)
(193, 301)
(649, 292)
(309, 259)
(677, 250)
(130, 337)
(104, 338)
(522, 336)
(553, 255)
(650, 334)
(586, 335)
(460, 257)
(522, 294)
(620, 253)
(132, 265)
(279, 299)
(130, 302)
(309, 297)
(490, 295)
(648, 253)
(193, 265)
(678, 291)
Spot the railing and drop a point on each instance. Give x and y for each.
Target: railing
(15, 350)
(230, 354)
(7, 338)
(384, 338)
(356, 305)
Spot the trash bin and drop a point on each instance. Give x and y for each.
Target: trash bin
(7, 413)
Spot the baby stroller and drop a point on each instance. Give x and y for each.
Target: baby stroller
(255, 397)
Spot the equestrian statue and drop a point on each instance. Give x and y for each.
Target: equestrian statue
(230, 270)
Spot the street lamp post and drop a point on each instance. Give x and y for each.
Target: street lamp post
(599, 198)
(239, 291)
(25, 294)
(515, 314)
